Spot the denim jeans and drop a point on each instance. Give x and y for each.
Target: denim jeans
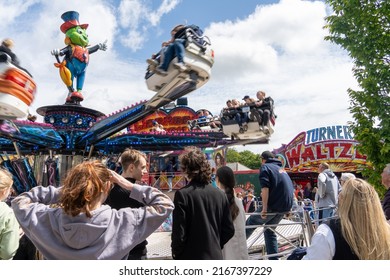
(324, 214)
(270, 238)
(174, 49)
(170, 183)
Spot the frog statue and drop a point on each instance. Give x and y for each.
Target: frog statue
(76, 55)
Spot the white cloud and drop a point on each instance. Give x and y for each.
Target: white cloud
(279, 48)
(134, 40)
(11, 9)
(165, 7)
(137, 16)
(130, 13)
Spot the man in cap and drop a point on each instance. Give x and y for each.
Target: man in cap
(255, 112)
(277, 193)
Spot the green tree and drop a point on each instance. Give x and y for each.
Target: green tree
(362, 28)
(247, 158)
(232, 155)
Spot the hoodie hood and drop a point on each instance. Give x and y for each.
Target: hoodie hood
(80, 232)
(329, 173)
(274, 161)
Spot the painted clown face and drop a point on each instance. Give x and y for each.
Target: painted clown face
(78, 36)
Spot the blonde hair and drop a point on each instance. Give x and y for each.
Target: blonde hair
(83, 187)
(131, 156)
(8, 43)
(236, 102)
(6, 180)
(324, 165)
(363, 223)
(346, 176)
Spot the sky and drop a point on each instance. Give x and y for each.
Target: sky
(274, 46)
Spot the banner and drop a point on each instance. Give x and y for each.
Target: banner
(174, 120)
(332, 144)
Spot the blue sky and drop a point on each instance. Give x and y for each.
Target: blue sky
(274, 46)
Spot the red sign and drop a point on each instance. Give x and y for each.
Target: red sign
(175, 120)
(305, 156)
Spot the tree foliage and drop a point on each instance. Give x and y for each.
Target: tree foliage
(247, 158)
(362, 28)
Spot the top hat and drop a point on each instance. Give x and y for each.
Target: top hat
(71, 19)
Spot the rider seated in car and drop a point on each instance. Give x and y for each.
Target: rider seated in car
(157, 127)
(176, 47)
(6, 47)
(264, 107)
(254, 112)
(157, 58)
(210, 119)
(233, 111)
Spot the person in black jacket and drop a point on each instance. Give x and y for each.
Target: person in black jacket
(134, 167)
(202, 223)
(277, 193)
(263, 110)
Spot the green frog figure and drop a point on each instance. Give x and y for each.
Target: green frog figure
(76, 55)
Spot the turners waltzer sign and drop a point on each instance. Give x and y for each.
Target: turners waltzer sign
(333, 144)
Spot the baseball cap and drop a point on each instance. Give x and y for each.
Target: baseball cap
(246, 97)
(267, 154)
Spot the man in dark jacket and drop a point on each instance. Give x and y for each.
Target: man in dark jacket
(277, 192)
(134, 167)
(202, 223)
(386, 184)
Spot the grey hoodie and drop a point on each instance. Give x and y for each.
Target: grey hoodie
(109, 234)
(328, 189)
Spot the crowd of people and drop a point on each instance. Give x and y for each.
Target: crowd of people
(98, 213)
(259, 109)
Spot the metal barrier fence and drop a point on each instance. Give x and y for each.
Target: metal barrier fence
(294, 230)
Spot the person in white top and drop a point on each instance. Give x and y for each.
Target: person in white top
(346, 176)
(328, 189)
(361, 230)
(236, 247)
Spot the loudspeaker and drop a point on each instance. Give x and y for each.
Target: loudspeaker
(182, 101)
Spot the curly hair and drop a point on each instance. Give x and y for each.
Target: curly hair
(194, 163)
(83, 187)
